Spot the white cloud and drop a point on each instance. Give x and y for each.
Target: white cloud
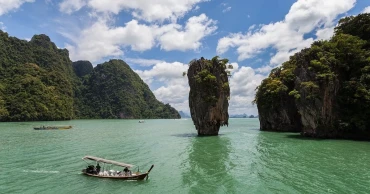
(101, 40)
(170, 73)
(366, 10)
(2, 26)
(175, 88)
(158, 10)
(264, 69)
(104, 40)
(173, 94)
(325, 33)
(143, 62)
(252, 27)
(235, 67)
(287, 36)
(197, 27)
(9, 5)
(243, 83)
(70, 6)
(226, 9)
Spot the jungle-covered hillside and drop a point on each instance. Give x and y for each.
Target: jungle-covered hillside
(38, 81)
(324, 90)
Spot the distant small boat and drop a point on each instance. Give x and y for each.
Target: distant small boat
(141, 121)
(52, 127)
(125, 174)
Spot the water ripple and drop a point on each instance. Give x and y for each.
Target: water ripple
(241, 160)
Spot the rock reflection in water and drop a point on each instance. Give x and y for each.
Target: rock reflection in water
(209, 165)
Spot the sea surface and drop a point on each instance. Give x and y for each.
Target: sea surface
(241, 159)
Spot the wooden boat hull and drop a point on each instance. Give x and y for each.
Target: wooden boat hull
(133, 177)
(52, 128)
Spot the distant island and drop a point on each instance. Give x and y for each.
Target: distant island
(243, 116)
(322, 91)
(184, 115)
(38, 82)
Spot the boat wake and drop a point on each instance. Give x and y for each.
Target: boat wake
(41, 171)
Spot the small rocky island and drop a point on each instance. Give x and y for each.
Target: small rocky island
(322, 91)
(209, 94)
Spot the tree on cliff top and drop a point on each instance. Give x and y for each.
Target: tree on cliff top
(209, 94)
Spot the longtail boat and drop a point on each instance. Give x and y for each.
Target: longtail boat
(102, 172)
(52, 127)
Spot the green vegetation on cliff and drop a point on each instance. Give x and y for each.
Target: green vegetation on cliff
(82, 68)
(113, 90)
(324, 90)
(209, 94)
(38, 81)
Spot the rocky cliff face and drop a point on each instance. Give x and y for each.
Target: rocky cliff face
(209, 95)
(82, 68)
(322, 91)
(276, 112)
(318, 98)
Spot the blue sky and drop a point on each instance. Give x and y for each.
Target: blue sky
(158, 38)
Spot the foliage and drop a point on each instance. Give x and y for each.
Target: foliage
(207, 78)
(39, 82)
(295, 93)
(358, 26)
(344, 59)
(269, 92)
(82, 68)
(114, 90)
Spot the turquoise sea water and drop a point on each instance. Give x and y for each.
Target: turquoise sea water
(241, 159)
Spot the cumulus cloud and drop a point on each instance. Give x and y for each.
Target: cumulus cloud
(264, 69)
(196, 28)
(70, 6)
(325, 33)
(174, 87)
(168, 73)
(102, 39)
(7, 6)
(243, 83)
(158, 10)
(287, 36)
(366, 10)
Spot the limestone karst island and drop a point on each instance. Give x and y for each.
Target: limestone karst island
(190, 96)
(322, 91)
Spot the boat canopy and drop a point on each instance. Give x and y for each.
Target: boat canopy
(107, 161)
